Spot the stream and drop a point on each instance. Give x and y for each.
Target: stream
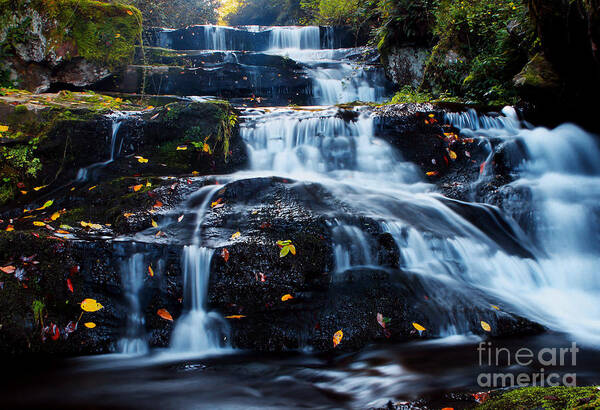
(464, 257)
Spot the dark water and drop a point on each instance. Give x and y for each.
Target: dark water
(367, 379)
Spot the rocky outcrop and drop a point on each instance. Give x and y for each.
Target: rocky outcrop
(406, 65)
(75, 43)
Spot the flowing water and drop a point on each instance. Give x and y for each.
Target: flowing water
(550, 276)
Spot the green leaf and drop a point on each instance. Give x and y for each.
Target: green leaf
(284, 251)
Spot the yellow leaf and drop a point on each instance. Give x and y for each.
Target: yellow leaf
(154, 224)
(452, 154)
(90, 305)
(337, 338)
(37, 188)
(292, 249)
(287, 297)
(182, 148)
(418, 327)
(164, 313)
(148, 184)
(150, 107)
(84, 224)
(3, 128)
(495, 307)
(235, 317)
(236, 235)
(431, 173)
(117, 35)
(150, 271)
(48, 204)
(142, 160)
(127, 215)
(195, 173)
(137, 187)
(60, 231)
(486, 326)
(55, 216)
(24, 192)
(119, 100)
(90, 325)
(37, 223)
(92, 187)
(10, 228)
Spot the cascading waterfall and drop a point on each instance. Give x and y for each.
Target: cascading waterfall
(295, 37)
(133, 272)
(198, 331)
(116, 144)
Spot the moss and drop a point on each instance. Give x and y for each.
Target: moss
(104, 33)
(21, 109)
(554, 398)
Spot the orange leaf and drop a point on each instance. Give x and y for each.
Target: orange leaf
(337, 338)
(432, 173)
(482, 168)
(9, 270)
(225, 254)
(137, 187)
(165, 314)
(235, 317)
(10, 228)
(158, 204)
(287, 297)
(150, 271)
(130, 12)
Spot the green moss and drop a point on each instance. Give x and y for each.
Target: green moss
(554, 398)
(21, 109)
(104, 33)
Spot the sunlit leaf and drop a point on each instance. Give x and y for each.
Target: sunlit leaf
(90, 325)
(154, 224)
(131, 14)
(292, 249)
(284, 251)
(158, 204)
(90, 305)
(38, 223)
(164, 313)
(486, 326)
(182, 148)
(48, 204)
(287, 297)
(142, 160)
(419, 327)
(337, 338)
(128, 215)
(236, 235)
(452, 154)
(55, 216)
(150, 271)
(37, 188)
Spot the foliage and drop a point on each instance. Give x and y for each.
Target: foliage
(405, 22)
(177, 13)
(38, 312)
(547, 398)
(482, 45)
(261, 12)
(361, 15)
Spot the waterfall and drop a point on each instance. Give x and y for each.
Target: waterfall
(116, 144)
(198, 331)
(295, 37)
(133, 272)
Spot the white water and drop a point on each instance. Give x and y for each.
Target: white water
(117, 118)
(198, 331)
(560, 288)
(133, 273)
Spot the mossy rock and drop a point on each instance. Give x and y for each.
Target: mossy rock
(538, 76)
(551, 398)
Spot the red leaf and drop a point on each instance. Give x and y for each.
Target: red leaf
(74, 270)
(70, 285)
(9, 270)
(165, 314)
(482, 168)
(225, 254)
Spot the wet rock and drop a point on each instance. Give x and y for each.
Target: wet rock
(406, 65)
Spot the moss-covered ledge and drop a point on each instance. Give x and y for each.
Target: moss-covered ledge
(76, 42)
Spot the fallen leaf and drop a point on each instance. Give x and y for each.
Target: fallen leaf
(55, 216)
(481, 397)
(235, 317)
(150, 271)
(225, 254)
(216, 203)
(154, 224)
(182, 148)
(180, 218)
(38, 223)
(495, 307)
(93, 187)
(482, 168)
(90, 305)
(9, 270)
(90, 325)
(70, 284)
(452, 154)
(337, 338)
(37, 188)
(10, 228)
(431, 173)
(128, 215)
(150, 107)
(131, 14)
(419, 327)
(158, 204)
(63, 232)
(164, 313)
(142, 160)
(3, 128)
(287, 297)
(236, 235)
(486, 326)
(137, 187)
(48, 204)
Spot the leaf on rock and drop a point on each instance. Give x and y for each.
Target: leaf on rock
(486, 326)
(164, 313)
(150, 271)
(70, 285)
(9, 270)
(137, 187)
(48, 204)
(90, 305)
(419, 327)
(90, 325)
(236, 235)
(287, 297)
(154, 224)
(337, 338)
(55, 216)
(431, 173)
(225, 254)
(182, 148)
(38, 223)
(235, 317)
(452, 154)
(10, 228)
(495, 307)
